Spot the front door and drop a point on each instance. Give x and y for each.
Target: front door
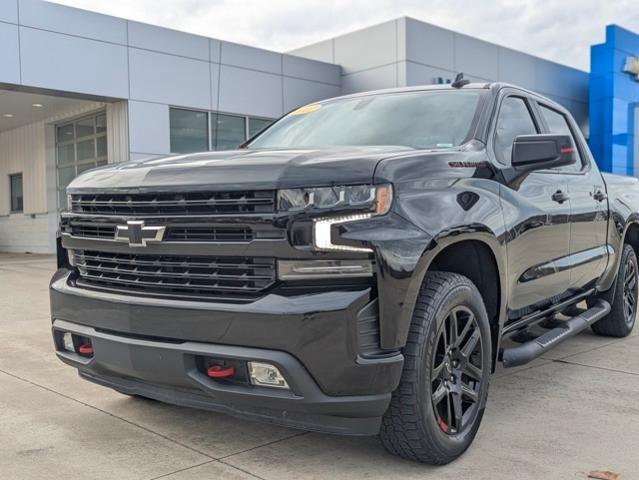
(588, 205)
(536, 215)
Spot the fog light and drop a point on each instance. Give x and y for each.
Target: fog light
(266, 375)
(67, 342)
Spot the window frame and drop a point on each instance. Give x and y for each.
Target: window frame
(211, 116)
(493, 133)
(585, 160)
(476, 128)
(214, 118)
(209, 139)
(11, 176)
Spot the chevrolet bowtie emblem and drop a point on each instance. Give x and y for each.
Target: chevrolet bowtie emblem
(632, 66)
(136, 234)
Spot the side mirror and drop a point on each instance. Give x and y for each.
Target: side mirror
(539, 152)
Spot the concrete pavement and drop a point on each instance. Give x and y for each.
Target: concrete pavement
(572, 411)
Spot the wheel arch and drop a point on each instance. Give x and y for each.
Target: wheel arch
(478, 256)
(631, 236)
(476, 260)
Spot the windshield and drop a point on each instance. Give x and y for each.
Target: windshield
(423, 119)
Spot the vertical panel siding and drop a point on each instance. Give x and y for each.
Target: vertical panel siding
(22, 150)
(118, 132)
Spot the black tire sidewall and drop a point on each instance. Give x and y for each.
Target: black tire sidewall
(463, 294)
(628, 252)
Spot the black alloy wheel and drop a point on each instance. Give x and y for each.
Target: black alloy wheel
(437, 408)
(457, 372)
(630, 291)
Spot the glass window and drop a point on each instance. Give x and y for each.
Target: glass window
(81, 145)
(62, 199)
(189, 131)
(423, 119)
(65, 175)
(557, 123)
(229, 131)
(102, 146)
(15, 184)
(65, 133)
(100, 123)
(66, 153)
(256, 125)
(85, 127)
(514, 120)
(86, 150)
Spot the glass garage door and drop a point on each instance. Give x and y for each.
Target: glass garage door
(80, 146)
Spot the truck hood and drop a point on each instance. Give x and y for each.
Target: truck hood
(240, 169)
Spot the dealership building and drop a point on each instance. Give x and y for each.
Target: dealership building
(80, 90)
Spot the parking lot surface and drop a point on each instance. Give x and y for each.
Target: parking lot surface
(570, 412)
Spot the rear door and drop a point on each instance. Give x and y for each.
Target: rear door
(536, 214)
(588, 204)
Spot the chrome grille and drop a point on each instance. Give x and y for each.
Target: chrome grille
(93, 231)
(187, 203)
(208, 234)
(173, 233)
(176, 275)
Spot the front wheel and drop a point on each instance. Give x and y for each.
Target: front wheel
(436, 410)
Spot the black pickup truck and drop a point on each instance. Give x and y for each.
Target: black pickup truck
(359, 267)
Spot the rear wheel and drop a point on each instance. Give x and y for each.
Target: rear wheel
(621, 319)
(435, 412)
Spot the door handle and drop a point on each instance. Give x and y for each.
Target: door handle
(560, 197)
(600, 195)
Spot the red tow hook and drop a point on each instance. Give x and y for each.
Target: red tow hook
(86, 350)
(218, 371)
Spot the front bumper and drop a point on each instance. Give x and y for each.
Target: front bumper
(150, 347)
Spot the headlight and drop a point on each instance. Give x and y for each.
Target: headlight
(375, 199)
(322, 233)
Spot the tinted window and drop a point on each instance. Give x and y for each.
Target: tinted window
(514, 120)
(256, 125)
(15, 183)
(557, 123)
(229, 131)
(189, 131)
(424, 119)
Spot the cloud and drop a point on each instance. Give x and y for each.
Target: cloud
(562, 31)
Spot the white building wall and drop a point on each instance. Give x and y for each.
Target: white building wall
(407, 52)
(30, 150)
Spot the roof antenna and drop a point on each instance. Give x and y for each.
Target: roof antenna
(460, 81)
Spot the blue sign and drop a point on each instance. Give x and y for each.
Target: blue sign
(614, 101)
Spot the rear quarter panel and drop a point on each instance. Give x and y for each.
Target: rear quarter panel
(623, 202)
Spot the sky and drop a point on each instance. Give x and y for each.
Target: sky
(559, 30)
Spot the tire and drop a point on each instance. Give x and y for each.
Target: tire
(621, 319)
(416, 425)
